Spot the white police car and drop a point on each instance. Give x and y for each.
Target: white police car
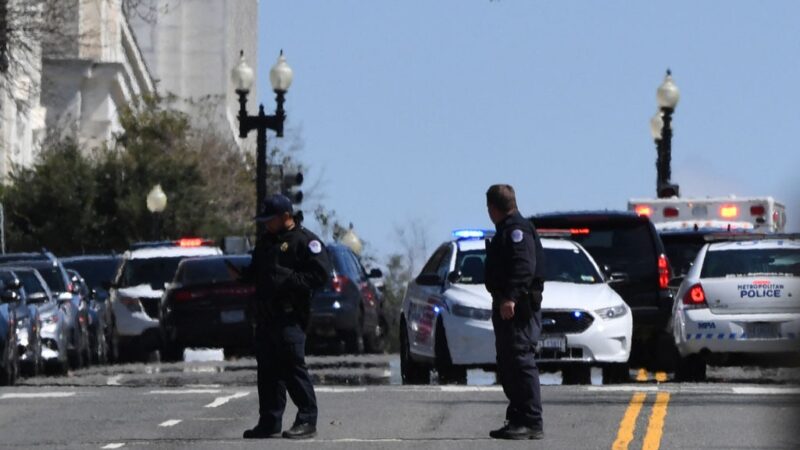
(446, 315)
(135, 294)
(741, 298)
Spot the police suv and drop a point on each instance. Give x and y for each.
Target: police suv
(739, 301)
(137, 289)
(446, 315)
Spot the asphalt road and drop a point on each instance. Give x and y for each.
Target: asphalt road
(207, 405)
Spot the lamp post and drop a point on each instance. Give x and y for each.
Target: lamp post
(280, 76)
(667, 96)
(156, 204)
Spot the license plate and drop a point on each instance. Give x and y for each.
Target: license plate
(762, 330)
(553, 343)
(233, 316)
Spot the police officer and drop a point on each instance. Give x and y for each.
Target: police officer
(289, 263)
(514, 278)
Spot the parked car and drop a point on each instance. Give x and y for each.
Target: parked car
(348, 310)
(446, 316)
(740, 302)
(135, 294)
(205, 306)
(53, 332)
(9, 360)
(98, 324)
(75, 306)
(28, 325)
(98, 271)
(631, 253)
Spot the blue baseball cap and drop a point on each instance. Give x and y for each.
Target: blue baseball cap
(274, 205)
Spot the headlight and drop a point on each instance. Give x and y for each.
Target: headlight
(471, 313)
(133, 304)
(612, 312)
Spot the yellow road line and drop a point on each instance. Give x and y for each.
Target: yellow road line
(628, 423)
(642, 375)
(661, 377)
(655, 428)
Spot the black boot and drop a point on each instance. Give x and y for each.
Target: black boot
(259, 432)
(301, 431)
(495, 434)
(518, 432)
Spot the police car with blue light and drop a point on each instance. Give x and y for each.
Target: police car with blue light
(446, 325)
(739, 302)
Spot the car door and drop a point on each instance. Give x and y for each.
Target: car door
(424, 295)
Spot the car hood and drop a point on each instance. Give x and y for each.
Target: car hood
(559, 295)
(140, 291)
(474, 295)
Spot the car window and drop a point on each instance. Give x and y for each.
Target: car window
(444, 265)
(345, 264)
(681, 253)
(202, 271)
(625, 248)
(728, 263)
(54, 278)
(33, 287)
(435, 261)
(569, 266)
(358, 270)
(95, 271)
(471, 264)
(150, 271)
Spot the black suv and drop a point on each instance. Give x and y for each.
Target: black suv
(631, 253)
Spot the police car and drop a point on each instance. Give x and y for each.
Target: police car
(136, 292)
(739, 300)
(446, 315)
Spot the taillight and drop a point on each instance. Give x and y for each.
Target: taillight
(695, 297)
(671, 212)
(182, 296)
(663, 272)
(643, 210)
(369, 296)
(757, 210)
(338, 283)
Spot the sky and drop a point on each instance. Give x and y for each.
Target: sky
(409, 110)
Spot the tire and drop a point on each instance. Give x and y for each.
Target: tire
(87, 348)
(375, 342)
(113, 344)
(691, 368)
(172, 352)
(354, 340)
(576, 374)
(101, 352)
(411, 371)
(616, 373)
(10, 370)
(75, 359)
(448, 373)
(666, 356)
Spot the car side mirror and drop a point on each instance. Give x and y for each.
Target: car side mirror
(454, 276)
(429, 279)
(9, 297)
(375, 273)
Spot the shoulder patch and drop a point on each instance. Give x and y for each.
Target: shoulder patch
(516, 236)
(315, 246)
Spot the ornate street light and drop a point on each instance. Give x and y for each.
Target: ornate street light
(280, 76)
(156, 204)
(667, 96)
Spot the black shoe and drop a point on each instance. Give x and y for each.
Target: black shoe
(301, 431)
(516, 433)
(261, 433)
(495, 434)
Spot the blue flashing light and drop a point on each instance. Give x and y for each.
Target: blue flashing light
(436, 309)
(577, 314)
(469, 234)
(337, 305)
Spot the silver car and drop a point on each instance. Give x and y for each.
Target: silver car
(28, 324)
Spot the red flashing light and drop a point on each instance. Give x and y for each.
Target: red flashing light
(757, 210)
(729, 211)
(190, 242)
(579, 231)
(644, 210)
(671, 212)
(182, 296)
(696, 297)
(338, 283)
(761, 283)
(664, 273)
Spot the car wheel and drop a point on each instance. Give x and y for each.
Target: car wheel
(376, 341)
(354, 340)
(411, 371)
(576, 374)
(691, 368)
(172, 352)
(8, 373)
(113, 344)
(448, 373)
(616, 373)
(102, 349)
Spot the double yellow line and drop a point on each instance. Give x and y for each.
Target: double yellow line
(655, 426)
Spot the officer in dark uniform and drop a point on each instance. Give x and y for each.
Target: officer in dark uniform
(514, 262)
(289, 263)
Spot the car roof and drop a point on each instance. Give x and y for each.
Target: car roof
(480, 244)
(201, 259)
(574, 217)
(79, 258)
(170, 252)
(754, 244)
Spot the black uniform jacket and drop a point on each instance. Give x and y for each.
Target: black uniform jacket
(286, 268)
(514, 261)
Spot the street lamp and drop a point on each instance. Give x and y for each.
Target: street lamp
(280, 76)
(667, 97)
(156, 204)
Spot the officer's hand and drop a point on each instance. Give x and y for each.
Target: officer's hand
(507, 310)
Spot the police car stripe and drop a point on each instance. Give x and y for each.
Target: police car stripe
(732, 336)
(721, 336)
(688, 337)
(699, 336)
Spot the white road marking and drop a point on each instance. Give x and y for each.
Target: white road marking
(219, 401)
(471, 388)
(37, 395)
(170, 423)
(185, 391)
(114, 381)
(114, 445)
(749, 390)
(622, 388)
(335, 390)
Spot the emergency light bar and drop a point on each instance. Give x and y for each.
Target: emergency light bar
(472, 234)
(746, 236)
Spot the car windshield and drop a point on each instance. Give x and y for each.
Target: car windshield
(565, 265)
(33, 287)
(202, 271)
(151, 271)
(732, 263)
(682, 252)
(53, 277)
(624, 248)
(96, 272)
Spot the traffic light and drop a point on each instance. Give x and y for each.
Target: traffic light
(290, 186)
